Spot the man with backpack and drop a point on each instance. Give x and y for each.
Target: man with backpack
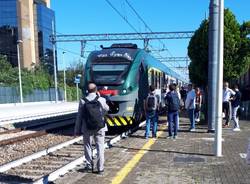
(173, 105)
(151, 105)
(90, 122)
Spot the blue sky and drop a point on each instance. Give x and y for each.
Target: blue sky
(96, 16)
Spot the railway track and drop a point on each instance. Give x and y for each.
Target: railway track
(49, 164)
(35, 129)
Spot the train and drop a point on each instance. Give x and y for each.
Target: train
(123, 74)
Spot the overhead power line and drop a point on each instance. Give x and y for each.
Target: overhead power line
(146, 25)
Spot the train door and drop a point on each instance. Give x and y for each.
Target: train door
(142, 91)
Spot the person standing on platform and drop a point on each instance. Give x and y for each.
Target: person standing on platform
(90, 122)
(227, 97)
(151, 105)
(190, 106)
(183, 93)
(235, 106)
(198, 101)
(173, 105)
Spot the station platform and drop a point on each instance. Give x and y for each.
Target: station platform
(14, 113)
(187, 159)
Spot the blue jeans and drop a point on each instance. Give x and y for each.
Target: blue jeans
(191, 118)
(197, 114)
(173, 118)
(153, 120)
(234, 117)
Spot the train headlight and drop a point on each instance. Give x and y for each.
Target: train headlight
(124, 91)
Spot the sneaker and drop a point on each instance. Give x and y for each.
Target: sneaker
(175, 136)
(198, 120)
(170, 137)
(225, 126)
(100, 172)
(87, 168)
(192, 130)
(236, 129)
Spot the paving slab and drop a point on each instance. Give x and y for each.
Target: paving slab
(188, 159)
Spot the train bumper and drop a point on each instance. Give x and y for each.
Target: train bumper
(118, 121)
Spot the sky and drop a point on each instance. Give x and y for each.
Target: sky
(96, 16)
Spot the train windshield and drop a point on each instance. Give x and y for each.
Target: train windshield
(109, 73)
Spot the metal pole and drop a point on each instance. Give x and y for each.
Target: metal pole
(212, 63)
(19, 71)
(64, 78)
(218, 127)
(77, 93)
(54, 58)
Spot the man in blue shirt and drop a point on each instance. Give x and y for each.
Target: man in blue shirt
(173, 106)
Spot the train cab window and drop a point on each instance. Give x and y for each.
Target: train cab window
(109, 73)
(115, 68)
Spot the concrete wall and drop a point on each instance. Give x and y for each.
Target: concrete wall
(26, 33)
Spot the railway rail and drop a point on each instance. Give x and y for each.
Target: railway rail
(35, 129)
(47, 165)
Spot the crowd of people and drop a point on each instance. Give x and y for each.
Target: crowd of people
(191, 100)
(92, 109)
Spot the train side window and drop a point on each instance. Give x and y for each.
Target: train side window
(149, 77)
(152, 77)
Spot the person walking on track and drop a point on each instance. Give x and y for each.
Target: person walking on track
(90, 122)
(151, 105)
(173, 105)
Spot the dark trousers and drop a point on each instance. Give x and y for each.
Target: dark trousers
(227, 111)
(173, 122)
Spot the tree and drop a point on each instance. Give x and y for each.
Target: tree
(236, 50)
(7, 73)
(198, 53)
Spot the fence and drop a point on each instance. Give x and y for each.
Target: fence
(246, 113)
(11, 95)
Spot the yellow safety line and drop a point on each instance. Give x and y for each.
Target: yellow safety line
(116, 122)
(123, 120)
(121, 175)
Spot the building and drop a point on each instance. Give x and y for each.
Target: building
(30, 21)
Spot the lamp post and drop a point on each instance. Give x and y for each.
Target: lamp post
(64, 78)
(19, 71)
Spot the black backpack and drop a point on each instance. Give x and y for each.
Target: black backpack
(93, 114)
(151, 103)
(173, 102)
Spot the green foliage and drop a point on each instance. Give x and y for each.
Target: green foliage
(198, 53)
(236, 50)
(8, 75)
(38, 78)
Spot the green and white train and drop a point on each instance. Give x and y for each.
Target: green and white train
(124, 72)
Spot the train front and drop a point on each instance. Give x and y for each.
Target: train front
(114, 71)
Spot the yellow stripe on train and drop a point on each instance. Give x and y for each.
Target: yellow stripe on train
(119, 121)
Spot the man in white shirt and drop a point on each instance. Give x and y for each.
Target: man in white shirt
(227, 96)
(190, 106)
